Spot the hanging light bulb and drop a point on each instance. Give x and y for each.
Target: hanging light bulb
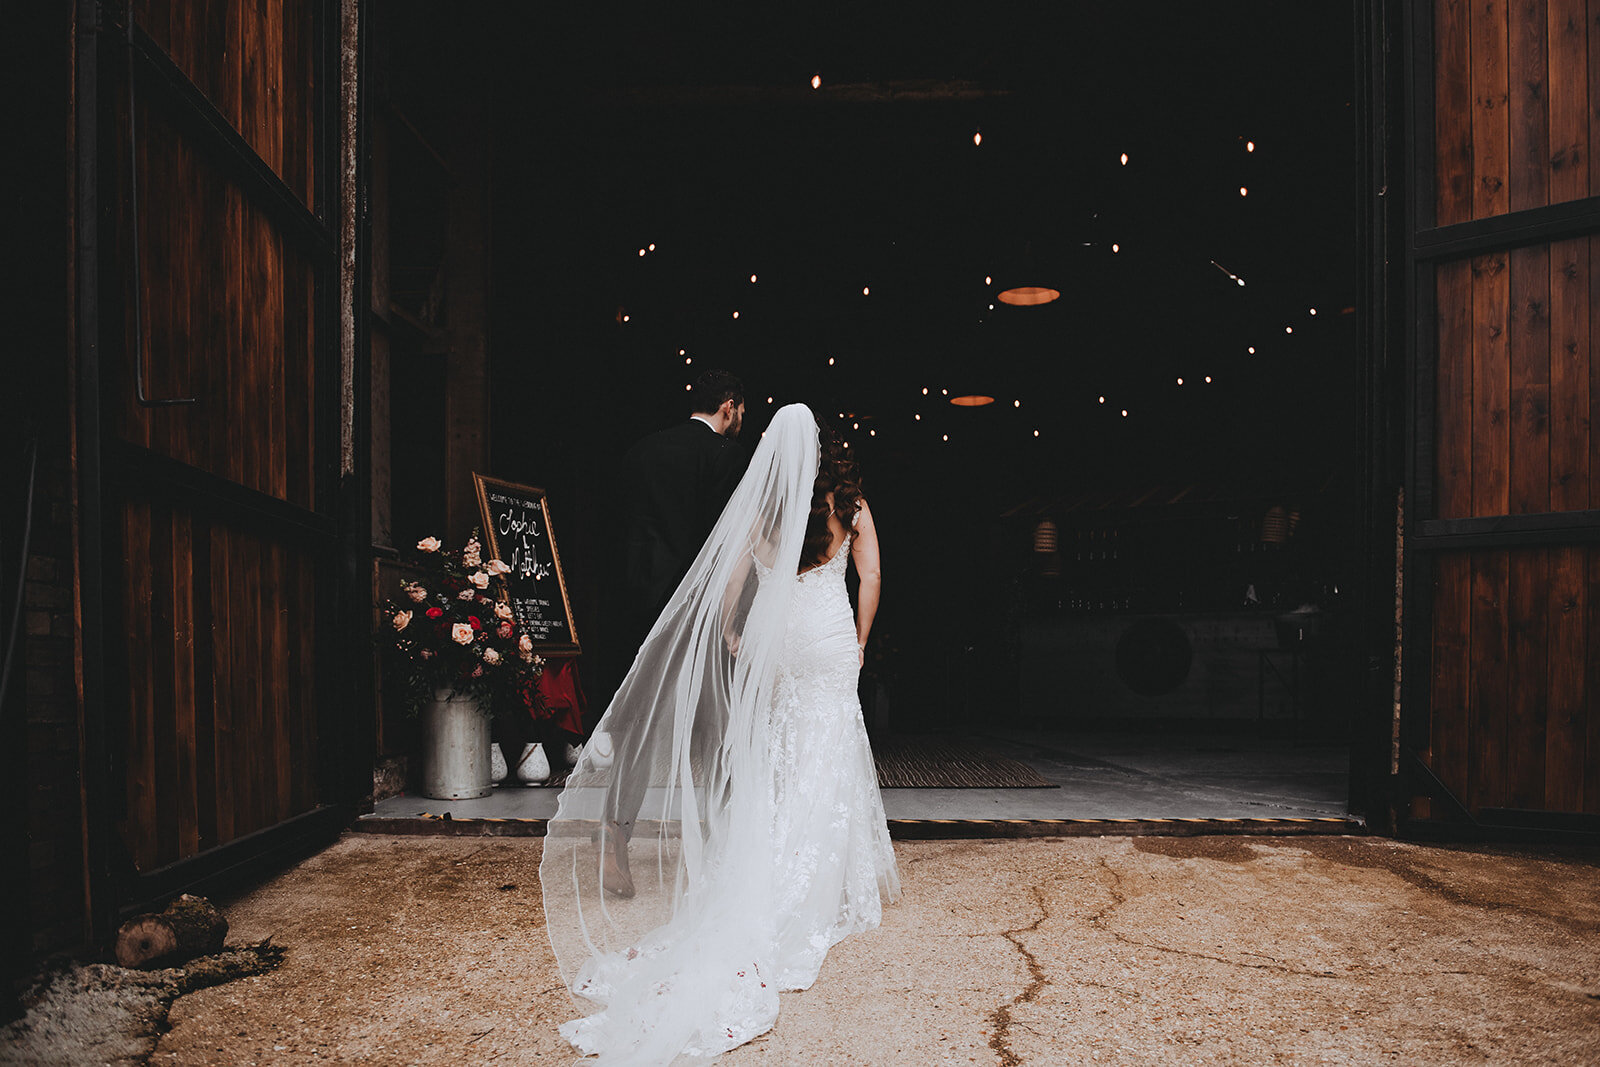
(1243, 191)
(988, 279)
(735, 314)
(1124, 159)
(1116, 248)
(652, 246)
(816, 81)
(866, 290)
(752, 279)
(1249, 146)
(977, 139)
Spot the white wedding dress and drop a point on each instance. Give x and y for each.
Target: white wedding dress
(770, 842)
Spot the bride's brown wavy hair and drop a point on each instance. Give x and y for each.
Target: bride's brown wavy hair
(836, 474)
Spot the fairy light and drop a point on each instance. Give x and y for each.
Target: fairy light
(988, 279)
(641, 252)
(918, 418)
(872, 433)
(1288, 329)
(1180, 381)
(816, 81)
(1116, 248)
(1243, 191)
(1249, 146)
(991, 307)
(769, 400)
(1036, 433)
(1124, 159)
(1124, 412)
(735, 314)
(687, 360)
(1102, 400)
(687, 388)
(652, 246)
(855, 426)
(681, 352)
(626, 318)
(1251, 350)
(977, 139)
(830, 361)
(1313, 311)
(946, 392)
(1016, 403)
(1208, 379)
(752, 279)
(924, 390)
(947, 437)
(866, 290)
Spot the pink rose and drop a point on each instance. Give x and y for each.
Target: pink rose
(504, 630)
(429, 544)
(479, 579)
(402, 620)
(525, 644)
(461, 633)
(467, 594)
(498, 568)
(417, 593)
(491, 657)
(503, 611)
(427, 653)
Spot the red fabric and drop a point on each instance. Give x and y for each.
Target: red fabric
(561, 695)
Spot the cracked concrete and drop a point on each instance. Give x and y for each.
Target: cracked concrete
(410, 950)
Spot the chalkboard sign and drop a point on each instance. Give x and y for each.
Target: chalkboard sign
(516, 525)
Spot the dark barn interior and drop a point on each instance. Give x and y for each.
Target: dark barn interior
(1152, 523)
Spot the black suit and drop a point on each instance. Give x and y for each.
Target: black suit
(677, 482)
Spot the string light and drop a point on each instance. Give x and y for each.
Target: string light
(681, 352)
(816, 81)
(872, 433)
(991, 307)
(830, 361)
(1288, 329)
(687, 360)
(735, 314)
(1124, 412)
(946, 392)
(1016, 403)
(924, 390)
(947, 437)
(769, 400)
(1116, 248)
(1251, 350)
(1180, 381)
(988, 279)
(866, 290)
(687, 388)
(641, 252)
(1102, 400)
(1036, 433)
(919, 418)
(625, 318)
(1249, 146)
(1208, 379)
(1243, 191)
(977, 139)
(1124, 159)
(1240, 281)
(652, 246)
(1313, 311)
(855, 426)
(752, 279)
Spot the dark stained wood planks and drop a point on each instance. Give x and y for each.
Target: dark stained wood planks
(1491, 385)
(1453, 161)
(1453, 393)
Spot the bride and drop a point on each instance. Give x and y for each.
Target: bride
(760, 840)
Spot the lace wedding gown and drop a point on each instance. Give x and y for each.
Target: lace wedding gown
(832, 863)
(760, 841)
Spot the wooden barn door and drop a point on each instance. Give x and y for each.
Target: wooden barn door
(1503, 515)
(218, 413)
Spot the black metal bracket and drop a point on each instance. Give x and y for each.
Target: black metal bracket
(1436, 789)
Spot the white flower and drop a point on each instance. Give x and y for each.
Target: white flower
(471, 556)
(479, 579)
(527, 657)
(525, 645)
(402, 620)
(497, 568)
(467, 594)
(491, 657)
(416, 592)
(502, 610)
(429, 544)
(461, 633)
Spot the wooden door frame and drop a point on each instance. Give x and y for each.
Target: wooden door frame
(339, 519)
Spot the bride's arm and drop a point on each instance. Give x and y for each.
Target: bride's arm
(864, 554)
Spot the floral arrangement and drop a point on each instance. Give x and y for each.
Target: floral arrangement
(454, 630)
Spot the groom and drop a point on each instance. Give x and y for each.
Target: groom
(676, 483)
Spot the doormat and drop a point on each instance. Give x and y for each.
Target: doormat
(940, 762)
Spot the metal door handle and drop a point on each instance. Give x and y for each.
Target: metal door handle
(133, 226)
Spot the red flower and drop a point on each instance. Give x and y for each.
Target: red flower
(434, 613)
(472, 621)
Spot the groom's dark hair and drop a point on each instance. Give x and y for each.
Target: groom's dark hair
(714, 388)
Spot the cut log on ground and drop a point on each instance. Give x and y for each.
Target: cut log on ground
(190, 926)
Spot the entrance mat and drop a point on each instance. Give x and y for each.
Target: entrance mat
(946, 762)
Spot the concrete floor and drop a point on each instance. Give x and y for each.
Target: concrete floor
(1095, 950)
(1100, 775)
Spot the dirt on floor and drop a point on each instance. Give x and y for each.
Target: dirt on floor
(1113, 950)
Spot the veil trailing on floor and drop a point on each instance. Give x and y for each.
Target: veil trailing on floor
(679, 971)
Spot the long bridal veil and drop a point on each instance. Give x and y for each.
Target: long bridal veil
(679, 971)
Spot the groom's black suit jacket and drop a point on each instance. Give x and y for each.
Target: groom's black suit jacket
(677, 483)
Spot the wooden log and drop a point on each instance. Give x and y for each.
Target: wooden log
(190, 926)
